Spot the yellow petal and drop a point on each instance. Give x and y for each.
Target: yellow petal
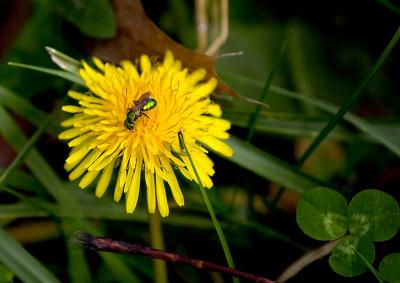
(201, 160)
(204, 178)
(77, 172)
(133, 192)
(77, 141)
(197, 75)
(214, 110)
(104, 180)
(77, 155)
(119, 186)
(151, 194)
(172, 181)
(71, 121)
(70, 133)
(72, 109)
(169, 58)
(145, 64)
(131, 69)
(84, 97)
(205, 89)
(87, 179)
(216, 145)
(128, 180)
(99, 64)
(161, 197)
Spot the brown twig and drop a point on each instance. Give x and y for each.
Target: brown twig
(116, 246)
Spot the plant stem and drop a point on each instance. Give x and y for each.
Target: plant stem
(157, 242)
(115, 246)
(217, 226)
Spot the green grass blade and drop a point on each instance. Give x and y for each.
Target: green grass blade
(351, 101)
(392, 7)
(62, 74)
(22, 263)
(64, 61)
(23, 180)
(78, 266)
(24, 151)
(370, 267)
(294, 125)
(39, 167)
(26, 110)
(384, 137)
(268, 82)
(270, 167)
(121, 272)
(217, 225)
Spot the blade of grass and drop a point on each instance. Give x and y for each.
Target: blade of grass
(217, 225)
(254, 117)
(62, 74)
(388, 140)
(267, 166)
(351, 100)
(370, 267)
(24, 151)
(63, 61)
(157, 242)
(78, 266)
(22, 263)
(26, 110)
(39, 167)
(294, 125)
(392, 7)
(22, 180)
(119, 269)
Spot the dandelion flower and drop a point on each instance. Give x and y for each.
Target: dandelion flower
(130, 120)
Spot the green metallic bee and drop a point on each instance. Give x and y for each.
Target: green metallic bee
(144, 103)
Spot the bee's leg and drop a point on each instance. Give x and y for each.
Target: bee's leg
(145, 114)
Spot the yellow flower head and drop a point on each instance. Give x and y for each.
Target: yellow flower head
(130, 119)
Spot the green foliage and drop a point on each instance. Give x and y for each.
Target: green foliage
(322, 214)
(369, 265)
(269, 167)
(375, 215)
(372, 215)
(6, 276)
(345, 261)
(21, 263)
(94, 18)
(389, 268)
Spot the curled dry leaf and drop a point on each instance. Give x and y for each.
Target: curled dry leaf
(137, 34)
